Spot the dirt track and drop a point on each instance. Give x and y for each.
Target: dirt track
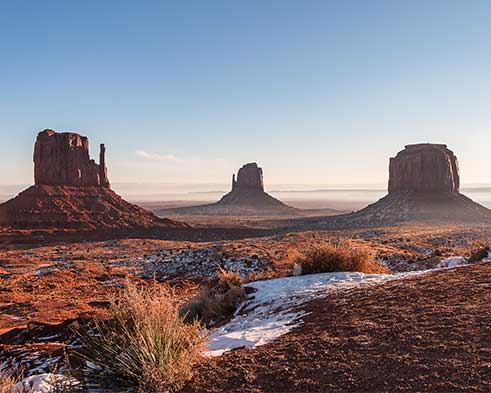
(425, 334)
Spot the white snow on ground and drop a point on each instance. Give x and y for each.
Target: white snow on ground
(452, 262)
(204, 262)
(272, 309)
(44, 383)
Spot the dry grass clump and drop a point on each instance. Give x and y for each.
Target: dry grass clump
(8, 380)
(215, 305)
(480, 252)
(145, 342)
(340, 257)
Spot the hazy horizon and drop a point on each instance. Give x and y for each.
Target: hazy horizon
(340, 197)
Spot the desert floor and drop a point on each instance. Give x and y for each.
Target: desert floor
(427, 333)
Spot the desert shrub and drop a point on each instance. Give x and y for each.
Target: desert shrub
(216, 304)
(479, 253)
(145, 341)
(228, 279)
(340, 257)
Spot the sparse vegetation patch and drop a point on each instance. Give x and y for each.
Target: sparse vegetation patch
(146, 342)
(215, 305)
(340, 256)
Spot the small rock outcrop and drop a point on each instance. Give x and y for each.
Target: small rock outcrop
(424, 167)
(71, 191)
(62, 159)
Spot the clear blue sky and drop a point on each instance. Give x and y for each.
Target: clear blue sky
(317, 92)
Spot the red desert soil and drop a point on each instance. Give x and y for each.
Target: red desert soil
(427, 333)
(53, 283)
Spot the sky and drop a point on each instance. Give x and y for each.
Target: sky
(185, 92)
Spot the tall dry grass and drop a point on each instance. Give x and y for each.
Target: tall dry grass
(340, 256)
(8, 379)
(145, 342)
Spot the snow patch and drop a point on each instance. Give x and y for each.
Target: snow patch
(273, 308)
(204, 262)
(452, 262)
(44, 383)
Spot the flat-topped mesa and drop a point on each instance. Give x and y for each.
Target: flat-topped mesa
(250, 176)
(424, 168)
(62, 159)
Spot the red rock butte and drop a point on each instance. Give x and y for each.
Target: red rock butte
(247, 197)
(248, 192)
(72, 191)
(249, 176)
(424, 183)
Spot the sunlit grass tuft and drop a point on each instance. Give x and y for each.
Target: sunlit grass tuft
(340, 256)
(145, 342)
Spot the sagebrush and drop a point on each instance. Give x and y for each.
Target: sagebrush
(340, 256)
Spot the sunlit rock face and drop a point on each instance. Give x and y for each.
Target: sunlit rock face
(62, 159)
(424, 184)
(424, 168)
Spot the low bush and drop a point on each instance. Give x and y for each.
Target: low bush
(480, 252)
(218, 304)
(145, 341)
(340, 257)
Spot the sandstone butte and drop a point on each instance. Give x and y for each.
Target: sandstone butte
(248, 191)
(424, 183)
(72, 191)
(247, 198)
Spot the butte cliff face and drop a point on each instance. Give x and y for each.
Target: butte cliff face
(425, 168)
(71, 191)
(250, 176)
(248, 193)
(62, 159)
